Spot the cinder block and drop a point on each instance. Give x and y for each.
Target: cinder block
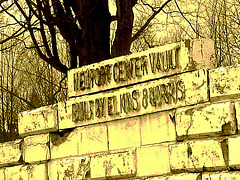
(2, 173)
(224, 83)
(138, 67)
(36, 148)
(237, 108)
(206, 119)
(82, 140)
(163, 94)
(187, 176)
(157, 178)
(65, 143)
(234, 146)
(116, 165)
(221, 176)
(69, 168)
(28, 172)
(124, 133)
(157, 127)
(93, 139)
(38, 121)
(10, 153)
(199, 155)
(153, 160)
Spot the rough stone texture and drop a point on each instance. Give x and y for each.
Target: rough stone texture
(224, 83)
(124, 134)
(36, 148)
(157, 62)
(116, 165)
(206, 119)
(93, 139)
(64, 144)
(198, 155)
(28, 172)
(153, 160)
(10, 153)
(149, 97)
(69, 168)
(189, 176)
(221, 176)
(41, 120)
(2, 173)
(79, 141)
(237, 108)
(234, 158)
(157, 127)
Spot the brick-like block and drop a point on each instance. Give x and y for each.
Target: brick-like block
(237, 108)
(188, 176)
(10, 153)
(83, 140)
(69, 168)
(198, 155)
(116, 165)
(157, 178)
(157, 127)
(93, 139)
(28, 172)
(234, 158)
(64, 143)
(221, 176)
(153, 160)
(206, 119)
(149, 97)
(36, 148)
(2, 173)
(224, 83)
(124, 133)
(41, 120)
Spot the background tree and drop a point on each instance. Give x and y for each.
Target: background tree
(42, 39)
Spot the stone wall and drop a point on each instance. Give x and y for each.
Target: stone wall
(165, 113)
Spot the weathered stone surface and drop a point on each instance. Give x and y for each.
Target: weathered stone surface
(69, 168)
(93, 139)
(10, 153)
(2, 173)
(188, 176)
(79, 141)
(64, 144)
(124, 133)
(116, 165)
(237, 108)
(234, 158)
(221, 176)
(224, 83)
(198, 155)
(153, 63)
(36, 148)
(157, 127)
(163, 94)
(157, 178)
(206, 119)
(41, 120)
(28, 172)
(153, 160)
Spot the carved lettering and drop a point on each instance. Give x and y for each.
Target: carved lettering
(100, 107)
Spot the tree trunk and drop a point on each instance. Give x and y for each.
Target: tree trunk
(95, 19)
(122, 42)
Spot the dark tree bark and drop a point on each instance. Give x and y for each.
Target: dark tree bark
(125, 16)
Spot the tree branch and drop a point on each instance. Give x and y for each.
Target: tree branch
(140, 31)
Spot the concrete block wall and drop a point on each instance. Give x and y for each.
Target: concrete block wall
(165, 113)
